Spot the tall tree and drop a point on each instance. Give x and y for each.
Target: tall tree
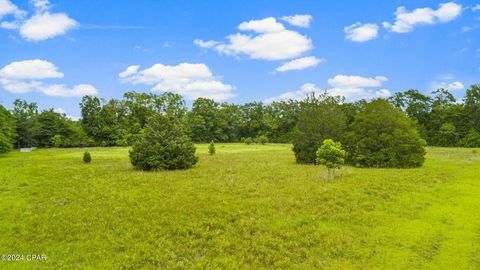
(472, 105)
(25, 115)
(204, 121)
(383, 136)
(320, 118)
(416, 105)
(7, 130)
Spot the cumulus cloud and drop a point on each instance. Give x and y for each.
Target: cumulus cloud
(22, 77)
(359, 32)
(30, 69)
(46, 25)
(350, 87)
(266, 25)
(476, 7)
(190, 80)
(300, 63)
(405, 21)
(456, 85)
(351, 81)
(60, 90)
(265, 39)
(40, 26)
(8, 8)
(298, 20)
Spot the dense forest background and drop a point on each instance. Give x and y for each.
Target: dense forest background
(440, 118)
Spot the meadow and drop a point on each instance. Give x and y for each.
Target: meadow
(247, 207)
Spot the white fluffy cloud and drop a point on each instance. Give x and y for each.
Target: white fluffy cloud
(300, 63)
(41, 26)
(476, 7)
(30, 69)
(46, 25)
(267, 40)
(350, 87)
(351, 81)
(298, 20)
(8, 8)
(448, 85)
(190, 80)
(26, 76)
(60, 90)
(266, 25)
(359, 32)
(405, 21)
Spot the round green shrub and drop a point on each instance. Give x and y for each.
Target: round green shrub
(331, 154)
(211, 148)
(262, 139)
(164, 145)
(87, 158)
(248, 140)
(383, 136)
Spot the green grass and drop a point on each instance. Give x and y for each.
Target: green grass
(245, 207)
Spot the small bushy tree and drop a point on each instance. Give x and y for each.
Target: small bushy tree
(472, 139)
(164, 145)
(248, 141)
(321, 117)
(87, 158)
(383, 136)
(211, 148)
(56, 140)
(331, 155)
(7, 130)
(5, 144)
(262, 139)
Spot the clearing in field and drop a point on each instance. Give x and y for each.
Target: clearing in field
(246, 206)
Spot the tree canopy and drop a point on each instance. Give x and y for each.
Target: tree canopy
(383, 136)
(163, 146)
(320, 118)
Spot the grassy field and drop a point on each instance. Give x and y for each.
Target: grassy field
(246, 207)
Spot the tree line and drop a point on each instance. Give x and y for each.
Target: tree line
(441, 120)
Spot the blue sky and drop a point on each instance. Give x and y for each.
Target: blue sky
(53, 52)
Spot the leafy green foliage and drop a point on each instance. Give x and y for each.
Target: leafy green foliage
(416, 105)
(321, 118)
(25, 122)
(56, 140)
(472, 105)
(383, 136)
(211, 148)
(472, 139)
(5, 144)
(248, 140)
(163, 146)
(262, 139)
(87, 158)
(7, 130)
(55, 129)
(120, 122)
(331, 154)
(440, 119)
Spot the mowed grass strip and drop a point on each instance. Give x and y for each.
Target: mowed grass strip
(248, 206)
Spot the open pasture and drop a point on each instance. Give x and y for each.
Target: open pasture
(248, 206)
